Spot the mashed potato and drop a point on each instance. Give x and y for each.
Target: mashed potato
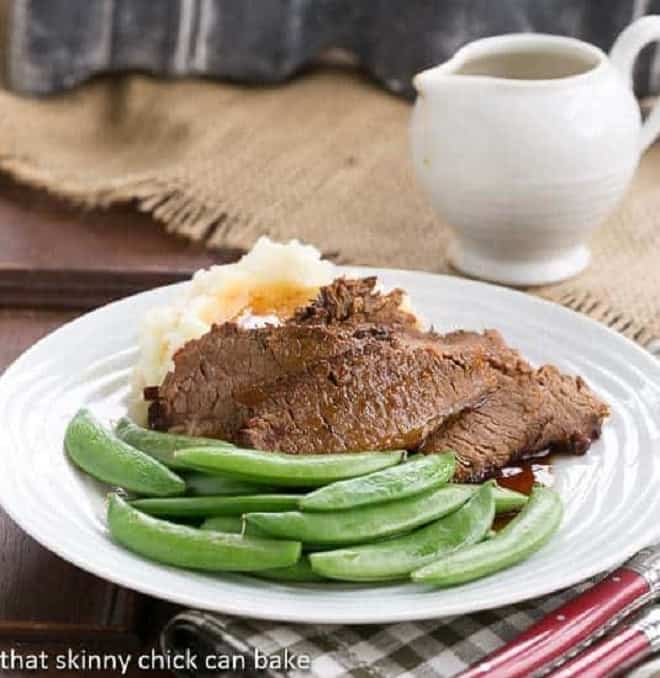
(266, 285)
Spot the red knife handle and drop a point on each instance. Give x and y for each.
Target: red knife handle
(608, 657)
(567, 628)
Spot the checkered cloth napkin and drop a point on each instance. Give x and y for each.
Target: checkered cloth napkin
(437, 648)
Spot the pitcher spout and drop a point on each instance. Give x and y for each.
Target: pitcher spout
(431, 79)
(421, 81)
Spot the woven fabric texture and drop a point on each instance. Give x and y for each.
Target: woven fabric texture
(323, 158)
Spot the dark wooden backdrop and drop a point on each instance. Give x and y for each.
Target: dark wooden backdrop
(57, 262)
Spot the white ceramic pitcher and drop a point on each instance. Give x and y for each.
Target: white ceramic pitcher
(525, 143)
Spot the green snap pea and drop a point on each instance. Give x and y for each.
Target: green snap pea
(509, 501)
(203, 485)
(398, 557)
(159, 445)
(189, 547)
(506, 500)
(298, 572)
(365, 523)
(236, 525)
(231, 525)
(205, 507)
(286, 470)
(104, 456)
(397, 482)
(524, 535)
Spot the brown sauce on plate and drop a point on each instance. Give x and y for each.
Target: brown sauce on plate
(521, 477)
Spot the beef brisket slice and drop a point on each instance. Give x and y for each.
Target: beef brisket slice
(496, 351)
(199, 396)
(382, 395)
(528, 413)
(355, 301)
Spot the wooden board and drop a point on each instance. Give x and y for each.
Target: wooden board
(55, 256)
(55, 262)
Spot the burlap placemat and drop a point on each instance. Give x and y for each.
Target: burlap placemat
(324, 158)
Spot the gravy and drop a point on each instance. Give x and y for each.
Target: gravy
(522, 477)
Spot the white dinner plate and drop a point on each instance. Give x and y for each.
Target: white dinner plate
(611, 495)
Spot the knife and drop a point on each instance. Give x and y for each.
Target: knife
(617, 652)
(576, 624)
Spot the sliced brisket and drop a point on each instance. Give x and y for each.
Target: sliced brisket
(383, 395)
(498, 353)
(199, 396)
(529, 413)
(352, 372)
(355, 301)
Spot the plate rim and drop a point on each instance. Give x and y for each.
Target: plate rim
(347, 615)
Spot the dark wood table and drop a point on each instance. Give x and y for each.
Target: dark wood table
(57, 262)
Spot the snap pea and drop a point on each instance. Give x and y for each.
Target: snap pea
(508, 501)
(298, 572)
(229, 524)
(204, 484)
(104, 456)
(524, 535)
(189, 547)
(232, 525)
(205, 507)
(159, 445)
(365, 523)
(287, 470)
(397, 557)
(397, 482)
(236, 525)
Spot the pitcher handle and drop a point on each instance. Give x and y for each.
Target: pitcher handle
(623, 54)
